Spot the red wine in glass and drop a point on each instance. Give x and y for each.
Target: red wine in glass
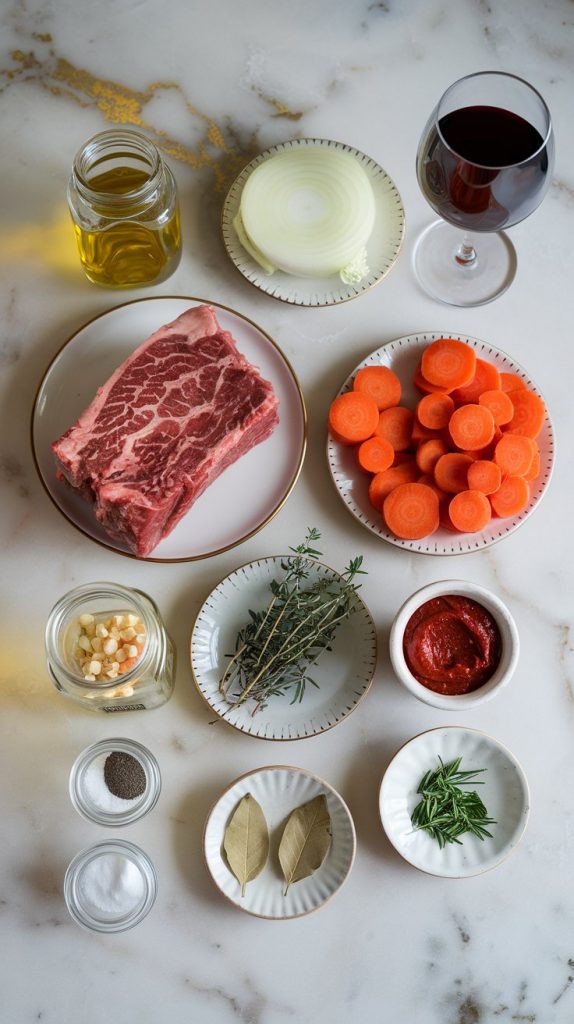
(484, 163)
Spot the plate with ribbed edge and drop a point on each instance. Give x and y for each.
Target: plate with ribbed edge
(342, 675)
(279, 790)
(383, 247)
(503, 790)
(402, 356)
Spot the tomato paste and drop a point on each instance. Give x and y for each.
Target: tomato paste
(452, 644)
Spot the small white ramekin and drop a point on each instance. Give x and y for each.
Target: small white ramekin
(508, 634)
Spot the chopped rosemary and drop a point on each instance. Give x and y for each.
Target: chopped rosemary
(446, 811)
(276, 649)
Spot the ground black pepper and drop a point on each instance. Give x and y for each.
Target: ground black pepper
(124, 775)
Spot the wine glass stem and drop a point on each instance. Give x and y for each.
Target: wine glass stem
(465, 255)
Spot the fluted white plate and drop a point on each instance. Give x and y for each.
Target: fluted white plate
(402, 356)
(383, 246)
(343, 674)
(280, 790)
(504, 792)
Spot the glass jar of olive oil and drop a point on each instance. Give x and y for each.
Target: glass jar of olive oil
(123, 201)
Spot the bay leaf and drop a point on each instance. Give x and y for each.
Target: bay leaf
(305, 841)
(246, 841)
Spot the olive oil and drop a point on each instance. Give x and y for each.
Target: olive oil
(123, 202)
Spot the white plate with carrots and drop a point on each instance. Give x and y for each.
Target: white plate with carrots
(449, 446)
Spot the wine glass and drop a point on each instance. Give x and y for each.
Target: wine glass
(484, 162)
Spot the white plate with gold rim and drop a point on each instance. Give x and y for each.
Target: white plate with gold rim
(240, 501)
(383, 246)
(279, 790)
(504, 792)
(343, 674)
(402, 356)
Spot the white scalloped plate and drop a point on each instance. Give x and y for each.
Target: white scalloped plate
(343, 675)
(240, 501)
(280, 790)
(504, 792)
(402, 356)
(383, 246)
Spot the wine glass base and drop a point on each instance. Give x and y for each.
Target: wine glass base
(473, 284)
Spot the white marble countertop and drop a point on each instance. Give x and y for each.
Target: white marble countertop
(213, 83)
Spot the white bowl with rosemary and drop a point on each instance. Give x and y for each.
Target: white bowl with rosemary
(284, 648)
(454, 802)
(279, 842)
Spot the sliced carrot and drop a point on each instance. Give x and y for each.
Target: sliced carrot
(534, 470)
(449, 363)
(486, 378)
(396, 425)
(451, 472)
(471, 427)
(434, 411)
(380, 384)
(428, 454)
(529, 412)
(375, 454)
(512, 497)
(353, 417)
(499, 404)
(431, 482)
(514, 454)
(425, 385)
(511, 382)
(470, 511)
(420, 433)
(386, 481)
(411, 511)
(402, 457)
(485, 476)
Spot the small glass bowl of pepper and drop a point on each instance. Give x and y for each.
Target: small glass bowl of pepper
(454, 645)
(115, 782)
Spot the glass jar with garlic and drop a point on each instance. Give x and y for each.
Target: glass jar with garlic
(108, 649)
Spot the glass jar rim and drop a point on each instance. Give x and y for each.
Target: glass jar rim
(63, 609)
(110, 140)
(497, 74)
(138, 807)
(121, 923)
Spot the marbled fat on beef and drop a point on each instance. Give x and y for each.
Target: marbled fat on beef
(184, 406)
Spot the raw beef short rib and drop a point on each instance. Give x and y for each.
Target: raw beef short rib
(184, 406)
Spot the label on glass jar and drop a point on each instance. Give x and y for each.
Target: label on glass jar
(126, 707)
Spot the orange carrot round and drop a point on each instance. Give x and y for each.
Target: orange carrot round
(511, 382)
(470, 511)
(484, 475)
(511, 498)
(411, 511)
(514, 454)
(353, 417)
(534, 469)
(380, 384)
(396, 425)
(425, 385)
(420, 433)
(529, 412)
(375, 454)
(428, 454)
(434, 411)
(386, 481)
(430, 481)
(499, 404)
(471, 427)
(449, 363)
(486, 378)
(451, 472)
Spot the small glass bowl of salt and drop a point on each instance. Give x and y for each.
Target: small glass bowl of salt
(110, 887)
(115, 782)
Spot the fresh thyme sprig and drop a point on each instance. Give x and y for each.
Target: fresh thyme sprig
(276, 649)
(446, 811)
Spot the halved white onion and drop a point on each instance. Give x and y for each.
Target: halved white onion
(307, 211)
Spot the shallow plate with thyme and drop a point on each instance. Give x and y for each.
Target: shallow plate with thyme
(334, 685)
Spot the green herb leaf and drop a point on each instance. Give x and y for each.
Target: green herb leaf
(246, 841)
(446, 811)
(305, 841)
